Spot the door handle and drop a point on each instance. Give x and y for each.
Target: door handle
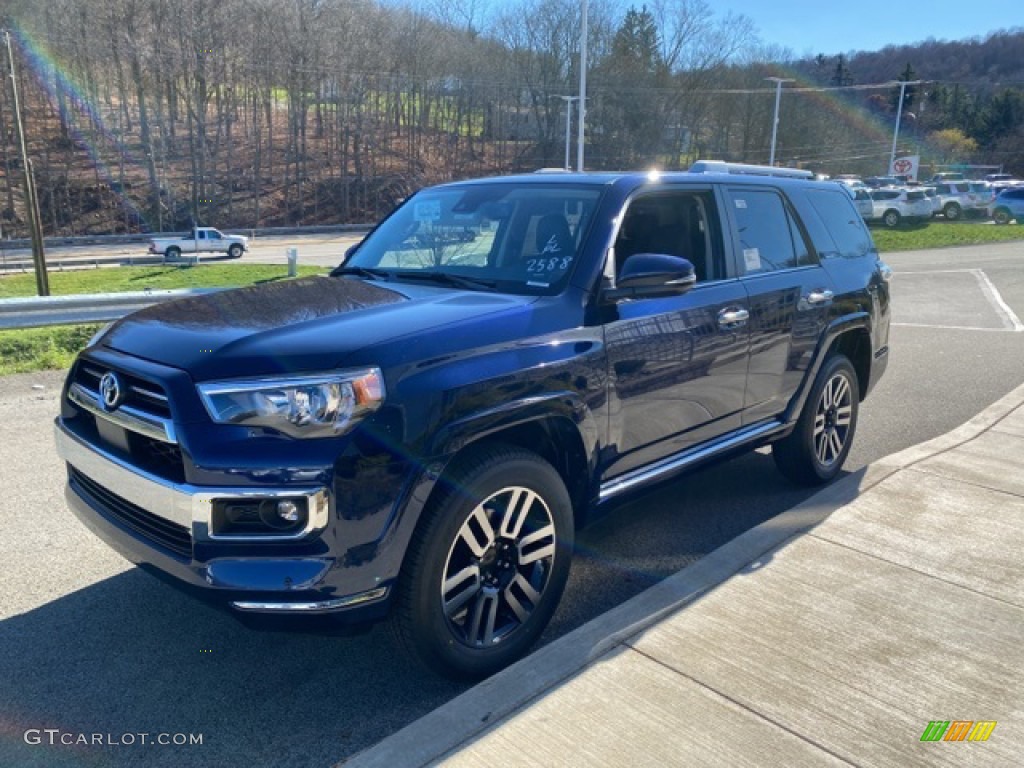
(733, 317)
(820, 297)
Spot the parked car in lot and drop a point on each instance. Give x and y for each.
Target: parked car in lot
(946, 177)
(893, 206)
(1003, 180)
(981, 195)
(1007, 206)
(955, 198)
(863, 203)
(878, 182)
(420, 432)
(933, 198)
(201, 239)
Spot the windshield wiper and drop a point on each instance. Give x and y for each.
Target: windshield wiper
(372, 274)
(445, 278)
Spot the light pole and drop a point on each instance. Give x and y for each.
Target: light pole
(899, 114)
(583, 89)
(568, 125)
(775, 121)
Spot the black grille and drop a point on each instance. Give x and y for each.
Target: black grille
(166, 534)
(140, 394)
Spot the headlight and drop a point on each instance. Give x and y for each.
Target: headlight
(324, 405)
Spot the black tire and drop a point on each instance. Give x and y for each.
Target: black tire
(487, 564)
(891, 219)
(235, 251)
(1001, 216)
(809, 454)
(172, 253)
(952, 211)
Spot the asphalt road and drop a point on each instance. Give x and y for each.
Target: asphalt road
(90, 646)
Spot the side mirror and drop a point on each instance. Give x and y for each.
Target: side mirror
(349, 251)
(650, 275)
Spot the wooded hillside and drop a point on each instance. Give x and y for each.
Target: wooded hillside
(146, 115)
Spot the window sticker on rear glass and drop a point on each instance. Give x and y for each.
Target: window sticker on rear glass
(752, 259)
(427, 210)
(741, 203)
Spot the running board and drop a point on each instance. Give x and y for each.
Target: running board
(687, 458)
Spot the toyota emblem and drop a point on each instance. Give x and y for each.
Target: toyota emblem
(110, 390)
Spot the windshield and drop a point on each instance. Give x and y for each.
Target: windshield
(519, 238)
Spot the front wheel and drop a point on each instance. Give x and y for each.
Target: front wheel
(814, 452)
(487, 564)
(1001, 216)
(952, 211)
(235, 251)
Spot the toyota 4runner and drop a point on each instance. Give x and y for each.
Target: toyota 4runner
(419, 433)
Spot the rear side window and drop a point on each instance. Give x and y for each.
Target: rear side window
(769, 238)
(844, 226)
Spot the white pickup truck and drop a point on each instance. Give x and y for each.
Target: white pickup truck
(202, 239)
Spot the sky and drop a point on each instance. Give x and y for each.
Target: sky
(840, 26)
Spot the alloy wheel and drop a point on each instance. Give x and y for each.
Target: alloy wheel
(498, 567)
(832, 419)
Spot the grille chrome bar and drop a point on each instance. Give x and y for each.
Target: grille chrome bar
(126, 417)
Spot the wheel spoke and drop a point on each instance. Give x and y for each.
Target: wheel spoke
(477, 532)
(526, 588)
(844, 415)
(518, 509)
(841, 390)
(826, 396)
(819, 424)
(485, 611)
(460, 588)
(821, 446)
(537, 545)
(836, 445)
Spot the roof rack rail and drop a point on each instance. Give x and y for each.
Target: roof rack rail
(720, 166)
(553, 170)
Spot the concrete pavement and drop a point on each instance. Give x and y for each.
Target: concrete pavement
(833, 633)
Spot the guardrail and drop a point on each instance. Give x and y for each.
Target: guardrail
(84, 308)
(145, 237)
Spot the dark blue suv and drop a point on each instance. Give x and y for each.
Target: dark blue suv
(419, 433)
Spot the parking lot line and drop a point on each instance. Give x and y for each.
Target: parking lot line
(1007, 316)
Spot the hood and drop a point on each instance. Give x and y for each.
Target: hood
(308, 324)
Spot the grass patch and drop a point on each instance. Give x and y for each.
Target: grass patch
(41, 349)
(120, 279)
(940, 234)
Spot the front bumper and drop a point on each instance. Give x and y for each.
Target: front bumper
(160, 525)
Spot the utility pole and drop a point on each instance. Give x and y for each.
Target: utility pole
(775, 121)
(31, 203)
(568, 126)
(899, 114)
(583, 89)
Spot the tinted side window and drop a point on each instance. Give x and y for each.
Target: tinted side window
(769, 237)
(842, 222)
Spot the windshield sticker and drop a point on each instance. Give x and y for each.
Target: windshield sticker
(538, 266)
(752, 258)
(551, 246)
(740, 203)
(427, 210)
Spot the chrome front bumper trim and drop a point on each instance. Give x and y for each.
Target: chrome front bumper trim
(189, 506)
(319, 606)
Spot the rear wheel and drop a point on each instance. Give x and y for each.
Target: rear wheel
(487, 564)
(891, 219)
(1001, 216)
(172, 253)
(952, 211)
(814, 452)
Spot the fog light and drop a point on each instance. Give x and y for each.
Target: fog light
(288, 511)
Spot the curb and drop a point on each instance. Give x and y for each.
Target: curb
(428, 739)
